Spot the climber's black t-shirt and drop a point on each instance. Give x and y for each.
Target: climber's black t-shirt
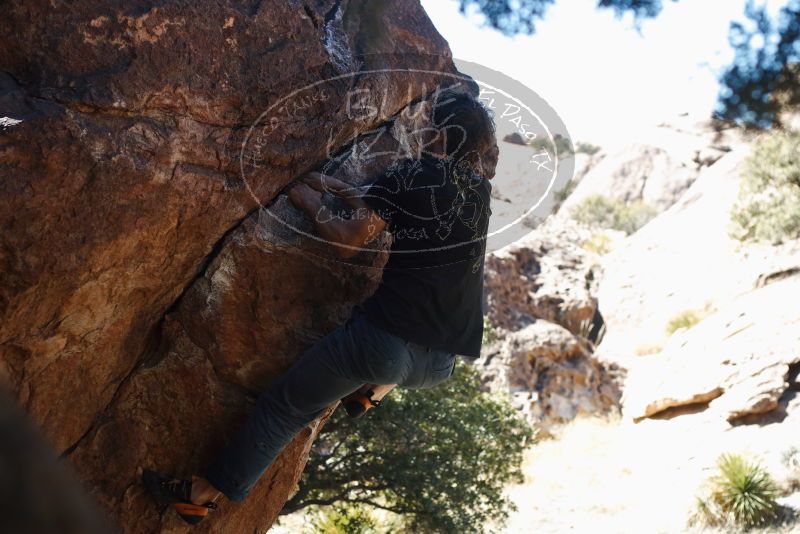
(432, 287)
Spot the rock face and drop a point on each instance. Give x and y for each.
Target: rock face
(550, 374)
(541, 301)
(144, 303)
(738, 362)
(741, 360)
(545, 275)
(657, 169)
(683, 261)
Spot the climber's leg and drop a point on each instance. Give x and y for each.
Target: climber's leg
(430, 367)
(350, 356)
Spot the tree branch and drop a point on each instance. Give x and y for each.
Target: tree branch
(395, 509)
(294, 504)
(332, 467)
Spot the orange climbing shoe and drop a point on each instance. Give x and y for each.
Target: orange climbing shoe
(359, 402)
(177, 493)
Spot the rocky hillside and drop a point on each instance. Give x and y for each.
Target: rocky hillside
(145, 300)
(738, 300)
(699, 353)
(658, 167)
(550, 293)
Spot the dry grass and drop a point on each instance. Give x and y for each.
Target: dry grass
(613, 476)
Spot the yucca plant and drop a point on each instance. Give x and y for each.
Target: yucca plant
(741, 494)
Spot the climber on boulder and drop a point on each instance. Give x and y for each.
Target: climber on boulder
(426, 310)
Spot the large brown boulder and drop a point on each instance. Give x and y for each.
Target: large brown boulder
(143, 302)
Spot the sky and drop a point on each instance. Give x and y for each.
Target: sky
(605, 78)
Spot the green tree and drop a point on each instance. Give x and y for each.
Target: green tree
(768, 207)
(587, 148)
(439, 457)
(762, 78)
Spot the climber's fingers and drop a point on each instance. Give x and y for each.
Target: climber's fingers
(300, 193)
(324, 183)
(314, 180)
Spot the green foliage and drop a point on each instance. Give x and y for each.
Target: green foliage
(762, 79)
(562, 194)
(768, 208)
(685, 319)
(509, 16)
(741, 494)
(598, 210)
(490, 334)
(557, 146)
(599, 243)
(345, 519)
(519, 16)
(586, 148)
(438, 457)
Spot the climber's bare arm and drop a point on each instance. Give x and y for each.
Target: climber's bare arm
(352, 233)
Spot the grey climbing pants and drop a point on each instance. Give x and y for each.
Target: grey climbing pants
(354, 354)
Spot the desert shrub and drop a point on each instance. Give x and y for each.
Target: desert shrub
(598, 210)
(490, 334)
(344, 519)
(561, 145)
(768, 207)
(685, 319)
(791, 458)
(741, 494)
(562, 194)
(598, 243)
(586, 148)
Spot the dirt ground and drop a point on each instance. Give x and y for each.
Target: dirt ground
(614, 476)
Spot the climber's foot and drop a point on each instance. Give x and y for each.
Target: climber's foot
(359, 402)
(177, 493)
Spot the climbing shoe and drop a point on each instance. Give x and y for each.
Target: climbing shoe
(357, 403)
(176, 493)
